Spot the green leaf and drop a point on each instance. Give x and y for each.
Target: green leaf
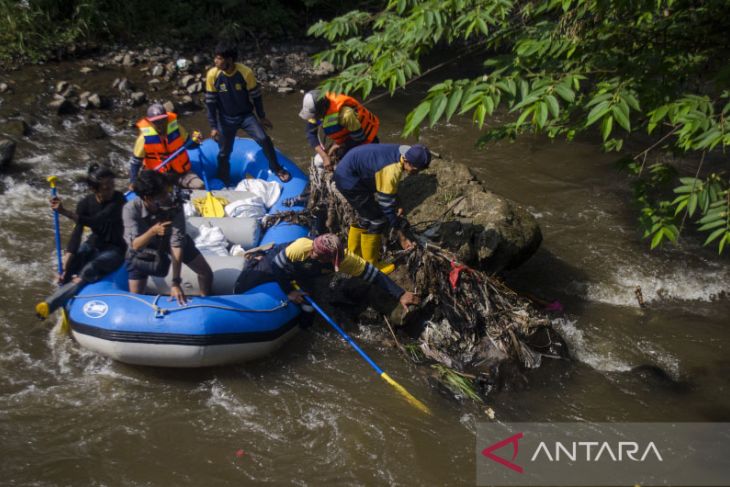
(542, 114)
(632, 101)
(524, 116)
(622, 117)
(712, 216)
(714, 224)
(415, 118)
(479, 115)
(524, 89)
(553, 105)
(597, 112)
(671, 232)
(658, 236)
(453, 104)
(721, 247)
(565, 93)
(599, 98)
(681, 205)
(714, 235)
(438, 105)
(401, 78)
(606, 127)
(692, 205)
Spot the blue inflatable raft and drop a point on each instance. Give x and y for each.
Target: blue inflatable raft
(219, 329)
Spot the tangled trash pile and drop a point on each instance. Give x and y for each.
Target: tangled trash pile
(474, 331)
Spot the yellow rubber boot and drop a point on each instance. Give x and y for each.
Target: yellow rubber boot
(372, 243)
(353, 240)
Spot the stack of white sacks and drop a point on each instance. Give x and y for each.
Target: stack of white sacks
(210, 239)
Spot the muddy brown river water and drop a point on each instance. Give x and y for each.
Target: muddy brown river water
(315, 414)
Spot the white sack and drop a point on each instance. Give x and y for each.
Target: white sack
(269, 191)
(210, 241)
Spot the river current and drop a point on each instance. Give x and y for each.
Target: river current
(314, 413)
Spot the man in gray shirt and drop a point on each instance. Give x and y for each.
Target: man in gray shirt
(154, 230)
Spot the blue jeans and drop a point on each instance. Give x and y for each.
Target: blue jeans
(253, 128)
(91, 264)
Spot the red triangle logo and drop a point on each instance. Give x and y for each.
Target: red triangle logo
(514, 439)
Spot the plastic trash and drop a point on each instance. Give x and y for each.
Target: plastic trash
(268, 191)
(253, 207)
(211, 241)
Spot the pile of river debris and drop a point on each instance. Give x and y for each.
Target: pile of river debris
(474, 331)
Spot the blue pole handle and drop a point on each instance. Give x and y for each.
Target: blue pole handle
(56, 225)
(343, 334)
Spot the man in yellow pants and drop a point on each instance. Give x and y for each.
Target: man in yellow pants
(368, 177)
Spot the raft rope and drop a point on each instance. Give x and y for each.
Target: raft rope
(160, 312)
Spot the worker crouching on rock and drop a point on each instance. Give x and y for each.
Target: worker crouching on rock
(368, 177)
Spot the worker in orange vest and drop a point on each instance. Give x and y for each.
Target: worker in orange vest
(160, 134)
(343, 119)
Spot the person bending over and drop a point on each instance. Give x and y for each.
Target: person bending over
(368, 177)
(342, 118)
(304, 258)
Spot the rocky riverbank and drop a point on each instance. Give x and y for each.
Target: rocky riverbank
(110, 86)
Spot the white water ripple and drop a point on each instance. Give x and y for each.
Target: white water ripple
(678, 283)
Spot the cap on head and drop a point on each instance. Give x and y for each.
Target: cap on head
(156, 112)
(309, 105)
(418, 156)
(329, 247)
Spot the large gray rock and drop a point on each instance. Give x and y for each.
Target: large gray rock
(158, 70)
(7, 150)
(196, 87)
(96, 101)
(485, 230)
(92, 130)
(138, 98)
(187, 80)
(15, 128)
(63, 106)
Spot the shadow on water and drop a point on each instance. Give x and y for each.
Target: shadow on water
(533, 279)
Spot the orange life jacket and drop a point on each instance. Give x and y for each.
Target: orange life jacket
(157, 148)
(338, 133)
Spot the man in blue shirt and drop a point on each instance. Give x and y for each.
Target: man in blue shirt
(231, 96)
(368, 177)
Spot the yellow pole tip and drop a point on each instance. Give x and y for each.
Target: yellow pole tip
(42, 310)
(409, 397)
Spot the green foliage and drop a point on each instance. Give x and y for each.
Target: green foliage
(562, 68)
(39, 29)
(456, 382)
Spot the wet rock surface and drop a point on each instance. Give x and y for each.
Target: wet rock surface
(454, 210)
(14, 128)
(7, 150)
